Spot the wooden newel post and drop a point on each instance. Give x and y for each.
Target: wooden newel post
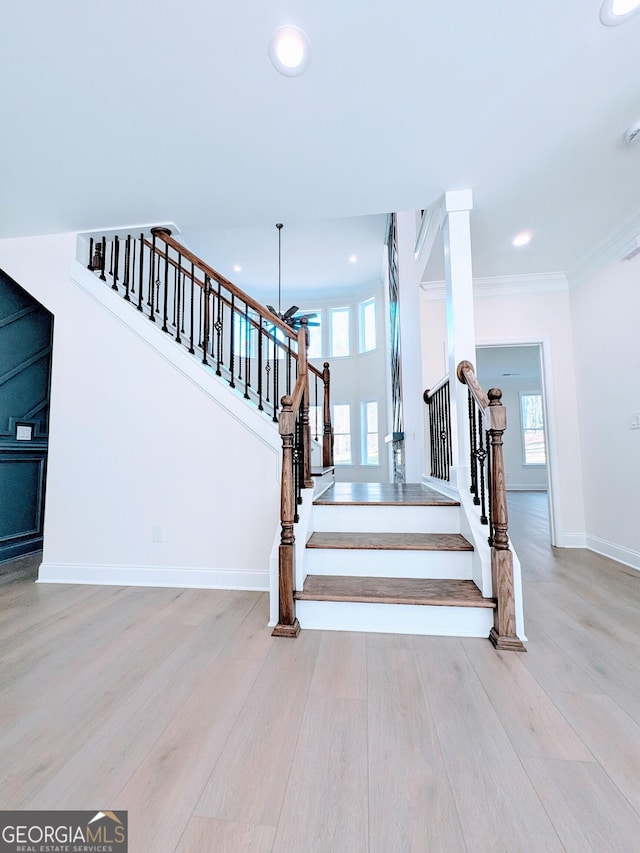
(303, 343)
(288, 625)
(503, 634)
(327, 434)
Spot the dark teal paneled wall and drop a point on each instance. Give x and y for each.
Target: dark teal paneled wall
(26, 330)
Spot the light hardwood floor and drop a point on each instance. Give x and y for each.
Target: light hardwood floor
(180, 707)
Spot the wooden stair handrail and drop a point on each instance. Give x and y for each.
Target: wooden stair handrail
(163, 235)
(210, 272)
(503, 634)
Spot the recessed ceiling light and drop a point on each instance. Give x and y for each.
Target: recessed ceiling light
(353, 259)
(237, 268)
(521, 239)
(289, 50)
(614, 12)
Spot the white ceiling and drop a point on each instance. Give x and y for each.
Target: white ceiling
(138, 112)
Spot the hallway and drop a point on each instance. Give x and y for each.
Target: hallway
(179, 706)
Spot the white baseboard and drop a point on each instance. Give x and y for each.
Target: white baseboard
(153, 576)
(572, 540)
(615, 552)
(526, 487)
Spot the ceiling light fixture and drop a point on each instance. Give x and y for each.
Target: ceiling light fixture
(289, 50)
(615, 12)
(521, 239)
(237, 268)
(353, 259)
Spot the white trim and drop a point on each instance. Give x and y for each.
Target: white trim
(162, 576)
(572, 540)
(503, 285)
(527, 487)
(626, 556)
(611, 248)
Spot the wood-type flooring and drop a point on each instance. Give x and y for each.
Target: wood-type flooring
(179, 706)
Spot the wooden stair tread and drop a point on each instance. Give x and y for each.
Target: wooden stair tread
(423, 591)
(320, 472)
(390, 541)
(383, 494)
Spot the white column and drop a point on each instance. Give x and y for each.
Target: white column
(461, 338)
(409, 276)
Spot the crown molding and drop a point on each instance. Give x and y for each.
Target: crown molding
(610, 249)
(503, 285)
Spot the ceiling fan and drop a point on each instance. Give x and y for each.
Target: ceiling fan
(290, 316)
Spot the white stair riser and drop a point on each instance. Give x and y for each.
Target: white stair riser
(377, 519)
(395, 618)
(321, 484)
(456, 565)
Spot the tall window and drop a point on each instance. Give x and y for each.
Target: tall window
(342, 434)
(370, 433)
(244, 336)
(340, 344)
(368, 325)
(532, 429)
(315, 333)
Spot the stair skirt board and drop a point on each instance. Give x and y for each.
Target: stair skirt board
(348, 518)
(421, 619)
(158, 576)
(379, 563)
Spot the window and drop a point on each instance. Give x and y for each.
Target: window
(316, 422)
(368, 325)
(532, 429)
(342, 434)
(315, 333)
(244, 336)
(340, 344)
(370, 433)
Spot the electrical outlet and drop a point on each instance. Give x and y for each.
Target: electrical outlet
(157, 533)
(634, 420)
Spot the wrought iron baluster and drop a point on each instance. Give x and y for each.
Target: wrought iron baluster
(184, 288)
(140, 274)
(90, 264)
(232, 355)
(260, 340)
(275, 377)
(115, 258)
(178, 299)
(289, 366)
(133, 266)
(482, 458)
(111, 259)
(191, 309)
(473, 444)
(103, 259)
(247, 352)
(219, 326)
(152, 279)
(206, 319)
(127, 267)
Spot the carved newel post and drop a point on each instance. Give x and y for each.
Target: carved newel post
(327, 433)
(503, 634)
(288, 625)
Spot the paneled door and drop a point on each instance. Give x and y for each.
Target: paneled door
(26, 330)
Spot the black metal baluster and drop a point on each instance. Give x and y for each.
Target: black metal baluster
(184, 287)
(115, 257)
(247, 348)
(133, 267)
(127, 267)
(152, 277)
(165, 306)
(206, 319)
(232, 342)
(219, 331)
(473, 449)
(191, 309)
(111, 259)
(275, 378)
(90, 264)
(447, 401)
(141, 273)
(260, 338)
(316, 418)
(289, 366)
(178, 282)
(103, 260)
(482, 458)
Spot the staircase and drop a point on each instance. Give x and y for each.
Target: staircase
(390, 559)
(376, 557)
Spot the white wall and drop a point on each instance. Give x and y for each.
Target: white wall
(136, 442)
(529, 318)
(606, 330)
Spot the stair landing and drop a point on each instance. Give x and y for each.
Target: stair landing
(383, 494)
